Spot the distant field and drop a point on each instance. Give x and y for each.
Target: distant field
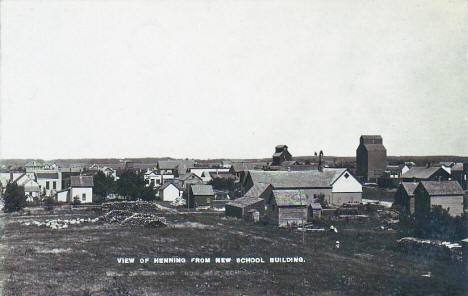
(82, 260)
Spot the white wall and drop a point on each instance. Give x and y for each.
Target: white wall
(50, 191)
(79, 191)
(62, 196)
(343, 184)
(454, 204)
(170, 193)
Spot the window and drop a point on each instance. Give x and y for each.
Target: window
(47, 185)
(83, 197)
(54, 185)
(346, 175)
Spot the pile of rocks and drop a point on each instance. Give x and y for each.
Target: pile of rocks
(131, 206)
(124, 217)
(61, 223)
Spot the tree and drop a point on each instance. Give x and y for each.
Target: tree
(14, 198)
(103, 185)
(133, 186)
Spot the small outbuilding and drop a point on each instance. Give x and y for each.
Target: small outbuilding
(404, 196)
(288, 207)
(201, 195)
(240, 207)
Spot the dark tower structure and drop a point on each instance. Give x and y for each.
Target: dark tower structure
(281, 154)
(371, 157)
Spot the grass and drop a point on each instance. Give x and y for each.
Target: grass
(82, 260)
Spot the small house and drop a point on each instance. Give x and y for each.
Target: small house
(287, 207)
(200, 195)
(169, 192)
(81, 188)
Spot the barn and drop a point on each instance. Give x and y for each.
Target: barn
(447, 194)
(337, 186)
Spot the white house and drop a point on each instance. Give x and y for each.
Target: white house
(80, 188)
(169, 192)
(31, 190)
(49, 181)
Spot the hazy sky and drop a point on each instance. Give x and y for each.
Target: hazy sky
(210, 79)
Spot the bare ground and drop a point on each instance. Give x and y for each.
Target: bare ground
(82, 260)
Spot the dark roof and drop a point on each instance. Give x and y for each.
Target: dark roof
(256, 190)
(81, 181)
(442, 187)
(188, 175)
(47, 175)
(409, 187)
(244, 202)
(201, 189)
(246, 166)
(301, 179)
(281, 146)
(286, 198)
(222, 175)
(420, 172)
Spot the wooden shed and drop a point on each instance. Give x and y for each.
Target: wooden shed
(201, 195)
(288, 207)
(238, 208)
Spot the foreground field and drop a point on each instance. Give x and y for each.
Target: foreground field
(82, 259)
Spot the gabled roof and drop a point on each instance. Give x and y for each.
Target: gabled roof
(287, 198)
(201, 189)
(442, 187)
(299, 179)
(257, 190)
(222, 175)
(47, 175)
(409, 187)
(167, 184)
(421, 172)
(81, 181)
(244, 202)
(246, 166)
(186, 176)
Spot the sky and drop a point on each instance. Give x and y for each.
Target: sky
(231, 79)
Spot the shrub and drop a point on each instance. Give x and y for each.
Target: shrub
(14, 198)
